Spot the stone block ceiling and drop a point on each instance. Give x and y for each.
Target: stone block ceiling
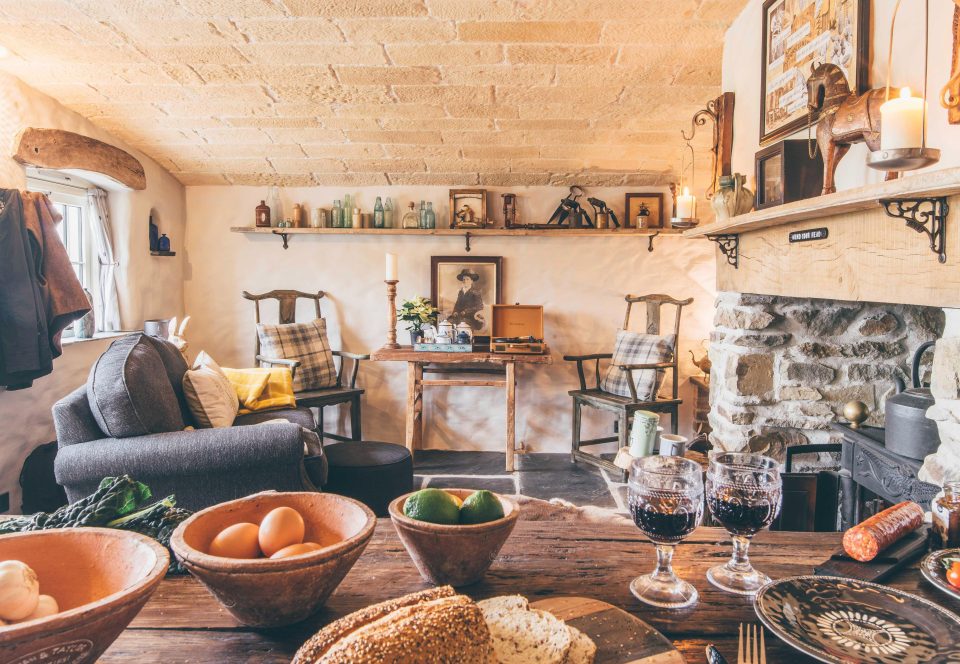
(360, 92)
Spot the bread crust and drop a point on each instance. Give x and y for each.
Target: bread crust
(318, 644)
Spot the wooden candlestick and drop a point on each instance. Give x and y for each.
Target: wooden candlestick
(391, 314)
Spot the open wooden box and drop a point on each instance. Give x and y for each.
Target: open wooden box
(517, 328)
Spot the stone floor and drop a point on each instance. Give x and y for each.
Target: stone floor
(539, 475)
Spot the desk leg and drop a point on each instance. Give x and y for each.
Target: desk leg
(511, 413)
(414, 406)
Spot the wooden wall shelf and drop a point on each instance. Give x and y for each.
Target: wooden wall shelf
(945, 182)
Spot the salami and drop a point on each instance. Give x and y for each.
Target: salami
(867, 539)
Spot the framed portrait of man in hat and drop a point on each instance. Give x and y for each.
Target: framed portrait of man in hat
(465, 288)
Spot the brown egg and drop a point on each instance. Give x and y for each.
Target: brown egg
(237, 541)
(296, 550)
(279, 529)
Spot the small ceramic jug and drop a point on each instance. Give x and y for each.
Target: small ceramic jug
(732, 197)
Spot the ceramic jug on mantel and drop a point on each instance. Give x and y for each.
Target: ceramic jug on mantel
(732, 197)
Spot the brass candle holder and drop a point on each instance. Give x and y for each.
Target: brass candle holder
(391, 313)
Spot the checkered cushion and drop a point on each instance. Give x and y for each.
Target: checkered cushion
(306, 342)
(636, 348)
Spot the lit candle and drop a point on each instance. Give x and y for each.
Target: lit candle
(901, 122)
(686, 205)
(391, 267)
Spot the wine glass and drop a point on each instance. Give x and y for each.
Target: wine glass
(744, 493)
(665, 494)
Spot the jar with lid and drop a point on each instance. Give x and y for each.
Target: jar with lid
(945, 511)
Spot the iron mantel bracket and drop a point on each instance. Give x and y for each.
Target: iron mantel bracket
(924, 215)
(729, 244)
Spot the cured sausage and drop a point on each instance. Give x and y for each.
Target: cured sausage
(867, 539)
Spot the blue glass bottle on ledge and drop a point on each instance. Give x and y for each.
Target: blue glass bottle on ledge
(429, 217)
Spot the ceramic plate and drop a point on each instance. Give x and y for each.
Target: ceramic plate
(934, 571)
(845, 621)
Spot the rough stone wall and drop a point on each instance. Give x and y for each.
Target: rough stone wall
(783, 368)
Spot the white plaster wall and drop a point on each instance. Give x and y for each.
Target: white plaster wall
(148, 287)
(580, 282)
(741, 75)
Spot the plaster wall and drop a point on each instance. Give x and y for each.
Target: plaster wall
(579, 281)
(148, 287)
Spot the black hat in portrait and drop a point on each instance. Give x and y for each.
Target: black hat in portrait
(469, 305)
(466, 272)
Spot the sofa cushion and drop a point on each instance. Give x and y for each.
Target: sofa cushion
(175, 366)
(305, 342)
(301, 416)
(637, 348)
(129, 392)
(210, 395)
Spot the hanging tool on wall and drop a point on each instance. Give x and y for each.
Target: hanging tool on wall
(602, 214)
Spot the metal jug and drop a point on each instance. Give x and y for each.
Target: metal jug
(909, 432)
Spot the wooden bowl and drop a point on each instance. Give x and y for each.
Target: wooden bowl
(270, 593)
(453, 555)
(100, 577)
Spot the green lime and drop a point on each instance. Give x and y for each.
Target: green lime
(480, 507)
(433, 506)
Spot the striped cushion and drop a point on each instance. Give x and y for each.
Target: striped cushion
(306, 342)
(637, 348)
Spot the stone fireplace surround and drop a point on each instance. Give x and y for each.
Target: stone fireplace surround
(783, 367)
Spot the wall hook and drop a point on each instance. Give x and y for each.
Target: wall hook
(285, 236)
(650, 240)
(467, 241)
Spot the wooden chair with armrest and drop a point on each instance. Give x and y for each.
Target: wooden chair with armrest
(625, 407)
(331, 396)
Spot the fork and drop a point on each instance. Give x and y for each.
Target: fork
(752, 649)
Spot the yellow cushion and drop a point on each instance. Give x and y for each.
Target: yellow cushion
(262, 389)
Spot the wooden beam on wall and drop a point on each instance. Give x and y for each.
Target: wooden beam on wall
(64, 150)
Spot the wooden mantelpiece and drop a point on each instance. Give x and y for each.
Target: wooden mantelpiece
(868, 256)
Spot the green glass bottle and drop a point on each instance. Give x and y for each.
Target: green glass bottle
(388, 214)
(430, 218)
(378, 214)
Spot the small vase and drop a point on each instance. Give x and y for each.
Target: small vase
(732, 197)
(415, 336)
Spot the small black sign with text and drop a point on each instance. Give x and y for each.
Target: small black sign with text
(811, 234)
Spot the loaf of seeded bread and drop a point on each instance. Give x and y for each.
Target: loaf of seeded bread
(527, 636)
(435, 626)
(582, 648)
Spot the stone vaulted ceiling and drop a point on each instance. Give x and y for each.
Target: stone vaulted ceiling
(459, 92)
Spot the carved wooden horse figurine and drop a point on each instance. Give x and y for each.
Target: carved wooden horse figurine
(845, 117)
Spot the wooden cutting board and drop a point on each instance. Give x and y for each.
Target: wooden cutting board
(620, 637)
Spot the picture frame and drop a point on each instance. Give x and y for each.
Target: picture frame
(468, 208)
(786, 172)
(653, 201)
(793, 40)
(459, 301)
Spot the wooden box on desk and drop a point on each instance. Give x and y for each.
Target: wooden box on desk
(517, 321)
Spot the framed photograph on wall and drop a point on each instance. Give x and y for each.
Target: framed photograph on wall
(465, 288)
(468, 208)
(653, 202)
(798, 34)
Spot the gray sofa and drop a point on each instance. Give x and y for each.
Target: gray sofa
(134, 393)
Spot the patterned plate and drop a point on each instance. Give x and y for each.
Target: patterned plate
(845, 621)
(934, 571)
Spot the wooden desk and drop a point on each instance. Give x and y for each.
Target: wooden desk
(183, 623)
(480, 363)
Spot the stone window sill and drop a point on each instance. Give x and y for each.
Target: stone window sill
(69, 341)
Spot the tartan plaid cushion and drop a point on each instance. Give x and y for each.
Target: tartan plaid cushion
(306, 342)
(637, 348)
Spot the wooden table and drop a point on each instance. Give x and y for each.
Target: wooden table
(182, 623)
(484, 364)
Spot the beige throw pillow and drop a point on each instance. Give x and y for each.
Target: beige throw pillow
(210, 394)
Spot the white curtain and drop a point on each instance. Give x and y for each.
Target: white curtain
(108, 316)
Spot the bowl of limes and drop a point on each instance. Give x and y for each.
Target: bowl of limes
(453, 535)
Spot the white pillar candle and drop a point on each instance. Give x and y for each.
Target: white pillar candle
(391, 267)
(901, 122)
(686, 205)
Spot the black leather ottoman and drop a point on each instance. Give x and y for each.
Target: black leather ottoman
(371, 472)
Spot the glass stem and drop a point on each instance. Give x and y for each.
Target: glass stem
(740, 561)
(664, 570)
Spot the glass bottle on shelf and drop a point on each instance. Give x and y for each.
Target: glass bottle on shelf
(336, 215)
(276, 207)
(356, 218)
(423, 215)
(378, 214)
(429, 217)
(388, 213)
(410, 218)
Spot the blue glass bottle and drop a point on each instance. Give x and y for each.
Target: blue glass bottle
(430, 218)
(336, 215)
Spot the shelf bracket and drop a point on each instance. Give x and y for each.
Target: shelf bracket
(650, 240)
(729, 244)
(924, 215)
(286, 238)
(466, 239)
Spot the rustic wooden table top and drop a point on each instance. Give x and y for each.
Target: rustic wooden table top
(183, 623)
(408, 354)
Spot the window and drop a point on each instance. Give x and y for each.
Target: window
(73, 237)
